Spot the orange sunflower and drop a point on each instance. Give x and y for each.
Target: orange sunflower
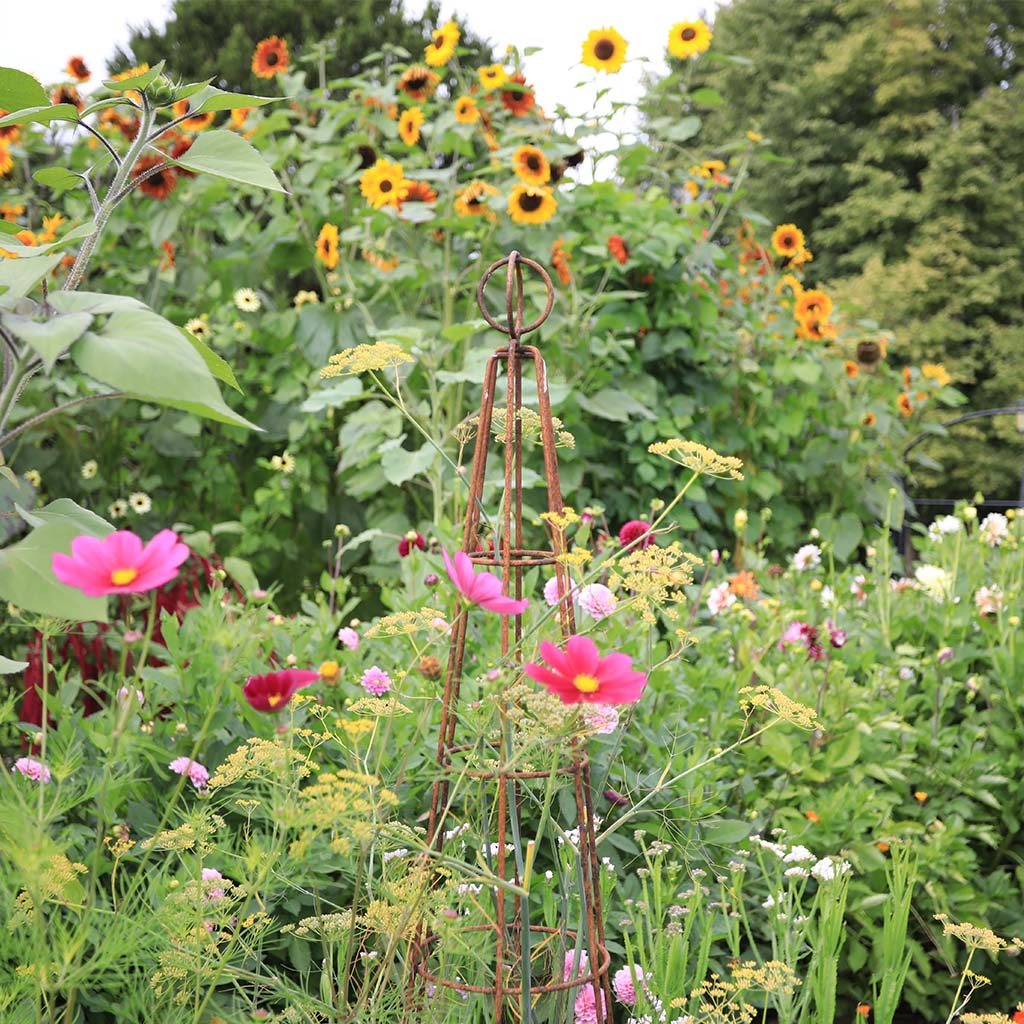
(519, 99)
(852, 369)
(194, 123)
(531, 165)
(6, 161)
(441, 48)
(936, 372)
(77, 69)
(270, 57)
(419, 192)
(466, 111)
(418, 83)
(812, 329)
(560, 261)
(327, 246)
(471, 201)
(159, 184)
(870, 419)
(9, 132)
(68, 94)
(904, 404)
(409, 125)
(531, 204)
(813, 304)
(787, 240)
(383, 184)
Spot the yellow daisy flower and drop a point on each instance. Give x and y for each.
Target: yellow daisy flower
(383, 184)
(604, 50)
(441, 48)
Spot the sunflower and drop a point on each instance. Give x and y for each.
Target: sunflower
(11, 211)
(688, 39)
(9, 133)
(905, 405)
(238, 118)
(179, 147)
(852, 369)
(6, 163)
(518, 100)
(77, 70)
(441, 48)
(787, 240)
(420, 192)
(530, 204)
(418, 83)
(327, 246)
(409, 125)
(466, 111)
(68, 94)
(159, 184)
(492, 77)
(936, 372)
(812, 329)
(270, 57)
(195, 123)
(531, 165)
(471, 201)
(813, 304)
(870, 419)
(604, 50)
(383, 184)
(796, 261)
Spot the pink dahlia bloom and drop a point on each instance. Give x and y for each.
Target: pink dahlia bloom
(32, 769)
(272, 691)
(585, 1007)
(634, 529)
(625, 984)
(581, 966)
(579, 673)
(120, 563)
(480, 587)
(197, 774)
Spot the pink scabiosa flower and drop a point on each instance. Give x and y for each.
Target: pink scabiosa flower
(32, 769)
(480, 587)
(626, 982)
(579, 673)
(376, 681)
(598, 601)
(632, 531)
(411, 540)
(198, 775)
(273, 690)
(120, 563)
(349, 637)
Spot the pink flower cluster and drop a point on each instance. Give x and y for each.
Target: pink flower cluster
(585, 1006)
(32, 769)
(806, 634)
(198, 775)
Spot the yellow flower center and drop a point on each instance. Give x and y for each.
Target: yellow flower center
(274, 699)
(122, 577)
(585, 683)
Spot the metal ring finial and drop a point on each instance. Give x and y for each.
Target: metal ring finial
(513, 326)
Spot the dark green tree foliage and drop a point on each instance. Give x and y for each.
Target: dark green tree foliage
(216, 38)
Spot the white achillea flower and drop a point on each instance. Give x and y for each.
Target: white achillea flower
(935, 581)
(828, 868)
(247, 300)
(797, 855)
(807, 557)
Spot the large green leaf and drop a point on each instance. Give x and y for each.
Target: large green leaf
(49, 339)
(139, 81)
(9, 667)
(610, 404)
(400, 464)
(227, 155)
(93, 302)
(215, 363)
(19, 90)
(19, 277)
(60, 179)
(42, 115)
(216, 99)
(64, 510)
(141, 353)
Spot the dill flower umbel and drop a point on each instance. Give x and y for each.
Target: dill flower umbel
(698, 457)
(247, 300)
(604, 50)
(381, 355)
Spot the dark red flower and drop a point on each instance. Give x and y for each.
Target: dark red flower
(272, 691)
(634, 529)
(411, 540)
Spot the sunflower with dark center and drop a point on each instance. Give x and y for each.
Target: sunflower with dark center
(466, 111)
(327, 246)
(418, 83)
(441, 48)
(409, 125)
(531, 165)
(787, 240)
(604, 50)
(471, 201)
(492, 76)
(384, 185)
(76, 69)
(270, 57)
(813, 329)
(813, 304)
(68, 94)
(180, 147)
(519, 99)
(9, 133)
(195, 122)
(688, 39)
(419, 192)
(531, 204)
(160, 184)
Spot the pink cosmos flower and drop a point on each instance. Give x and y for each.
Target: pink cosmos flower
(272, 691)
(376, 681)
(120, 563)
(625, 984)
(480, 587)
(633, 530)
(579, 673)
(32, 769)
(198, 775)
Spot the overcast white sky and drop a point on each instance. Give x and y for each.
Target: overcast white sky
(46, 32)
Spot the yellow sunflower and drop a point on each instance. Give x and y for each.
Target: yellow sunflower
(530, 204)
(787, 240)
(471, 201)
(6, 161)
(383, 184)
(531, 165)
(327, 246)
(409, 125)
(813, 304)
(466, 110)
(418, 83)
(604, 50)
(492, 77)
(936, 372)
(441, 48)
(688, 39)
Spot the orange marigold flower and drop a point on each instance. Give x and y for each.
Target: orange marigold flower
(50, 226)
(852, 369)
(812, 817)
(76, 69)
(744, 585)
(27, 237)
(618, 249)
(418, 83)
(904, 404)
(270, 57)
(158, 184)
(520, 99)
(167, 262)
(11, 211)
(560, 261)
(68, 94)
(920, 796)
(787, 240)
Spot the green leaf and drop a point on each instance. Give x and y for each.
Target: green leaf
(400, 464)
(60, 179)
(141, 353)
(614, 405)
(42, 115)
(92, 302)
(138, 82)
(210, 98)
(683, 129)
(241, 572)
(215, 363)
(19, 90)
(19, 277)
(707, 97)
(724, 832)
(227, 155)
(27, 580)
(64, 510)
(335, 394)
(9, 667)
(459, 332)
(49, 339)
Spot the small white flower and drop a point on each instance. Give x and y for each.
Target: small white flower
(118, 509)
(988, 600)
(935, 581)
(828, 868)
(828, 596)
(796, 872)
(90, 469)
(720, 598)
(797, 855)
(198, 328)
(140, 502)
(994, 528)
(247, 300)
(807, 557)
(943, 527)
(303, 298)
(906, 673)
(391, 855)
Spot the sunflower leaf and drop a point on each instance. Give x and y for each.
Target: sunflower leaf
(19, 277)
(139, 81)
(60, 179)
(229, 156)
(19, 90)
(210, 98)
(49, 339)
(42, 115)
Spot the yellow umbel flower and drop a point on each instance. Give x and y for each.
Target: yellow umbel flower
(698, 457)
(381, 355)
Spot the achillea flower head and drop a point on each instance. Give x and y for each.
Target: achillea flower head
(579, 673)
(32, 769)
(633, 530)
(597, 600)
(271, 691)
(120, 563)
(375, 681)
(480, 588)
(197, 774)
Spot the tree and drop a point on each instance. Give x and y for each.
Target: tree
(216, 38)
